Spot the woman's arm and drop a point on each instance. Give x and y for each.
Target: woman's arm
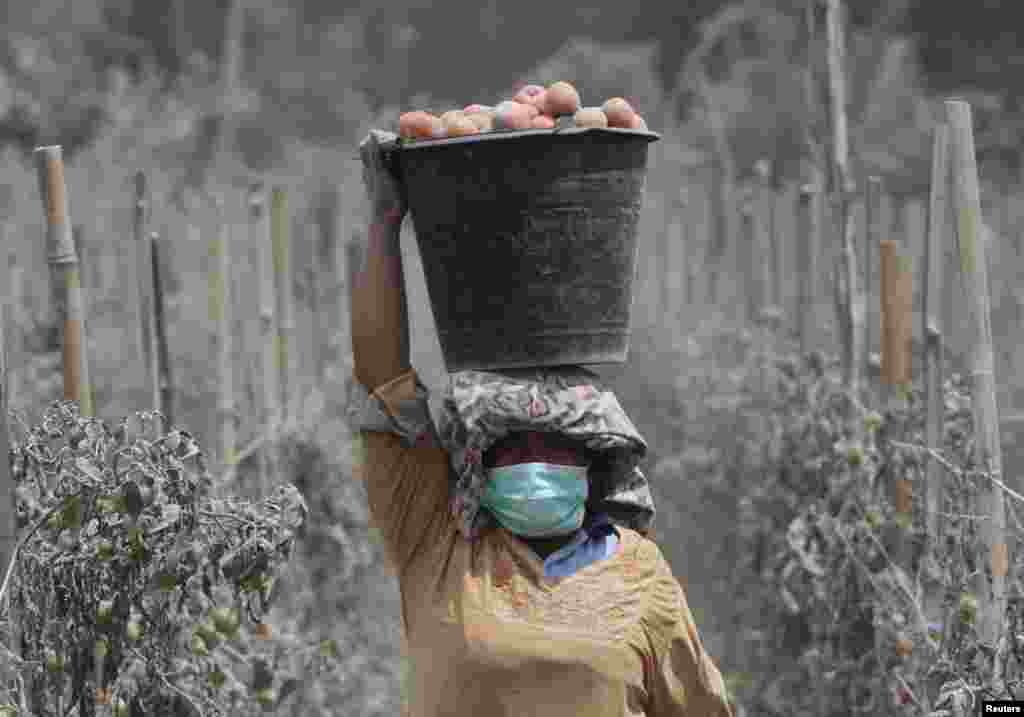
(380, 326)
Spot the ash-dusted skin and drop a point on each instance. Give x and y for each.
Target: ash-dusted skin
(380, 327)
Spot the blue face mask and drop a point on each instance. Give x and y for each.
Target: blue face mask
(537, 500)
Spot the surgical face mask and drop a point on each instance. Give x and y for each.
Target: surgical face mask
(537, 500)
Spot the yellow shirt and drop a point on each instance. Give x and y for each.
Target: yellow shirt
(487, 635)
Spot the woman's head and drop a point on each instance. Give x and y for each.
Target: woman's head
(535, 447)
(485, 424)
(538, 484)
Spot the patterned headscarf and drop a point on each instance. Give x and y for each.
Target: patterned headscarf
(480, 408)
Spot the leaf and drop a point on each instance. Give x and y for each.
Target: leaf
(88, 469)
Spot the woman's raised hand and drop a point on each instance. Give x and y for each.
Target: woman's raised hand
(384, 190)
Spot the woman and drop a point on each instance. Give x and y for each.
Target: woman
(516, 525)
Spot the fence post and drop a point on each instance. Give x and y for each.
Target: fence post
(809, 224)
(932, 286)
(871, 239)
(686, 253)
(164, 382)
(284, 306)
(674, 285)
(897, 282)
(974, 276)
(750, 262)
(771, 268)
(314, 283)
(221, 317)
(8, 507)
(15, 332)
(144, 273)
(271, 413)
(65, 278)
(849, 296)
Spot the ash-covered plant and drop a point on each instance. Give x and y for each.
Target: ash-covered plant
(821, 552)
(133, 589)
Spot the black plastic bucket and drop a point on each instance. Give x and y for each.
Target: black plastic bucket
(529, 242)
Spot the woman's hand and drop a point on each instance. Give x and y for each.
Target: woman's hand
(384, 190)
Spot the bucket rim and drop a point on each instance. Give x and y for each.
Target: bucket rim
(407, 145)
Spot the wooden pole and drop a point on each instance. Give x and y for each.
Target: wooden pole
(84, 268)
(687, 267)
(809, 221)
(271, 393)
(221, 317)
(871, 236)
(65, 279)
(8, 506)
(992, 552)
(750, 262)
(915, 231)
(849, 295)
(144, 274)
(284, 305)
(674, 269)
(932, 329)
(165, 382)
(314, 282)
(896, 336)
(702, 246)
(932, 287)
(771, 269)
(16, 322)
(329, 279)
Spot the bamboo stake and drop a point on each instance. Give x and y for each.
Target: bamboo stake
(932, 328)
(247, 285)
(145, 307)
(850, 302)
(284, 308)
(8, 508)
(330, 281)
(915, 223)
(702, 247)
(871, 235)
(65, 280)
(165, 383)
(750, 262)
(809, 219)
(993, 551)
(78, 239)
(771, 268)
(932, 287)
(8, 512)
(314, 282)
(687, 268)
(220, 316)
(271, 394)
(15, 319)
(896, 278)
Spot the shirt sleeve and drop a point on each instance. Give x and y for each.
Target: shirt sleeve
(682, 679)
(403, 466)
(398, 407)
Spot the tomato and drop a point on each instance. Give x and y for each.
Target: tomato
(198, 646)
(133, 630)
(266, 696)
(105, 612)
